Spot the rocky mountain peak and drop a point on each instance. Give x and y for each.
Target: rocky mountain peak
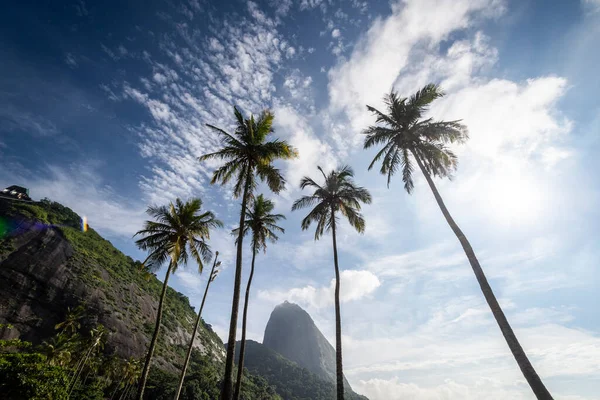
(292, 333)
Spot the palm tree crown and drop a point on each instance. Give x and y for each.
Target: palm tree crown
(247, 151)
(403, 132)
(261, 223)
(177, 231)
(338, 193)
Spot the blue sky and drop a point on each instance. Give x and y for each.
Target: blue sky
(103, 106)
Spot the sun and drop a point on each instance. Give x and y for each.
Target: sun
(513, 196)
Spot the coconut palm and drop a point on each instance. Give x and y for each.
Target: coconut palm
(247, 155)
(177, 232)
(262, 225)
(407, 137)
(213, 275)
(340, 194)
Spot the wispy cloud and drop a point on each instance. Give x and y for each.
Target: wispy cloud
(12, 119)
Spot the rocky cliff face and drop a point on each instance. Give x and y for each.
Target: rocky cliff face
(292, 333)
(46, 268)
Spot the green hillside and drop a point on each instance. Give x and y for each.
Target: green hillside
(52, 272)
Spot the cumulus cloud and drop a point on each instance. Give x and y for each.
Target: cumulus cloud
(354, 285)
(312, 150)
(382, 53)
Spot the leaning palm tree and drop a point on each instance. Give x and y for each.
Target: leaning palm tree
(339, 193)
(262, 225)
(177, 231)
(407, 137)
(213, 275)
(247, 155)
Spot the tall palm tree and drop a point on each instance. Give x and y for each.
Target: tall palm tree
(339, 193)
(247, 155)
(177, 231)
(213, 275)
(263, 226)
(405, 136)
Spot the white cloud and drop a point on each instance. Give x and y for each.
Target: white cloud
(382, 54)
(13, 119)
(312, 150)
(82, 189)
(160, 78)
(592, 6)
(335, 33)
(354, 285)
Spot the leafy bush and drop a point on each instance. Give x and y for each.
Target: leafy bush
(29, 376)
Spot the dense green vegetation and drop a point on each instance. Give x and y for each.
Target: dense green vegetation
(203, 383)
(69, 365)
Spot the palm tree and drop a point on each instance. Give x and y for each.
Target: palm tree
(247, 154)
(406, 136)
(213, 275)
(263, 225)
(338, 193)
(72, 320)
(177, 231)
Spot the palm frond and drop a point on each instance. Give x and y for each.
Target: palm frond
(338, 193)
(305, 201)
(272, 176)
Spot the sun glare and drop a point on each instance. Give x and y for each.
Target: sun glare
(514, 198)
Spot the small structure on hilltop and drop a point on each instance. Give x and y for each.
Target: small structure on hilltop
(15, 192)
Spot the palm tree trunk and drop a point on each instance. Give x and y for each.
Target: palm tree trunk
(198, 319)
(226, 391)
(117, 388)
(146, 370)
(536, 384)
(79, 370)
(338, 318)
(125, 393)
(240, 372)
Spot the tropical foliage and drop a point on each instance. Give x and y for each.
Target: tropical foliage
(176, 233)
(338, 194)
(247, 155)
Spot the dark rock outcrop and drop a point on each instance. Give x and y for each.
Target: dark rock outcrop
(46, 269)
(292, 333)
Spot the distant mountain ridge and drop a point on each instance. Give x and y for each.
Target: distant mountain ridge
(291, 381)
